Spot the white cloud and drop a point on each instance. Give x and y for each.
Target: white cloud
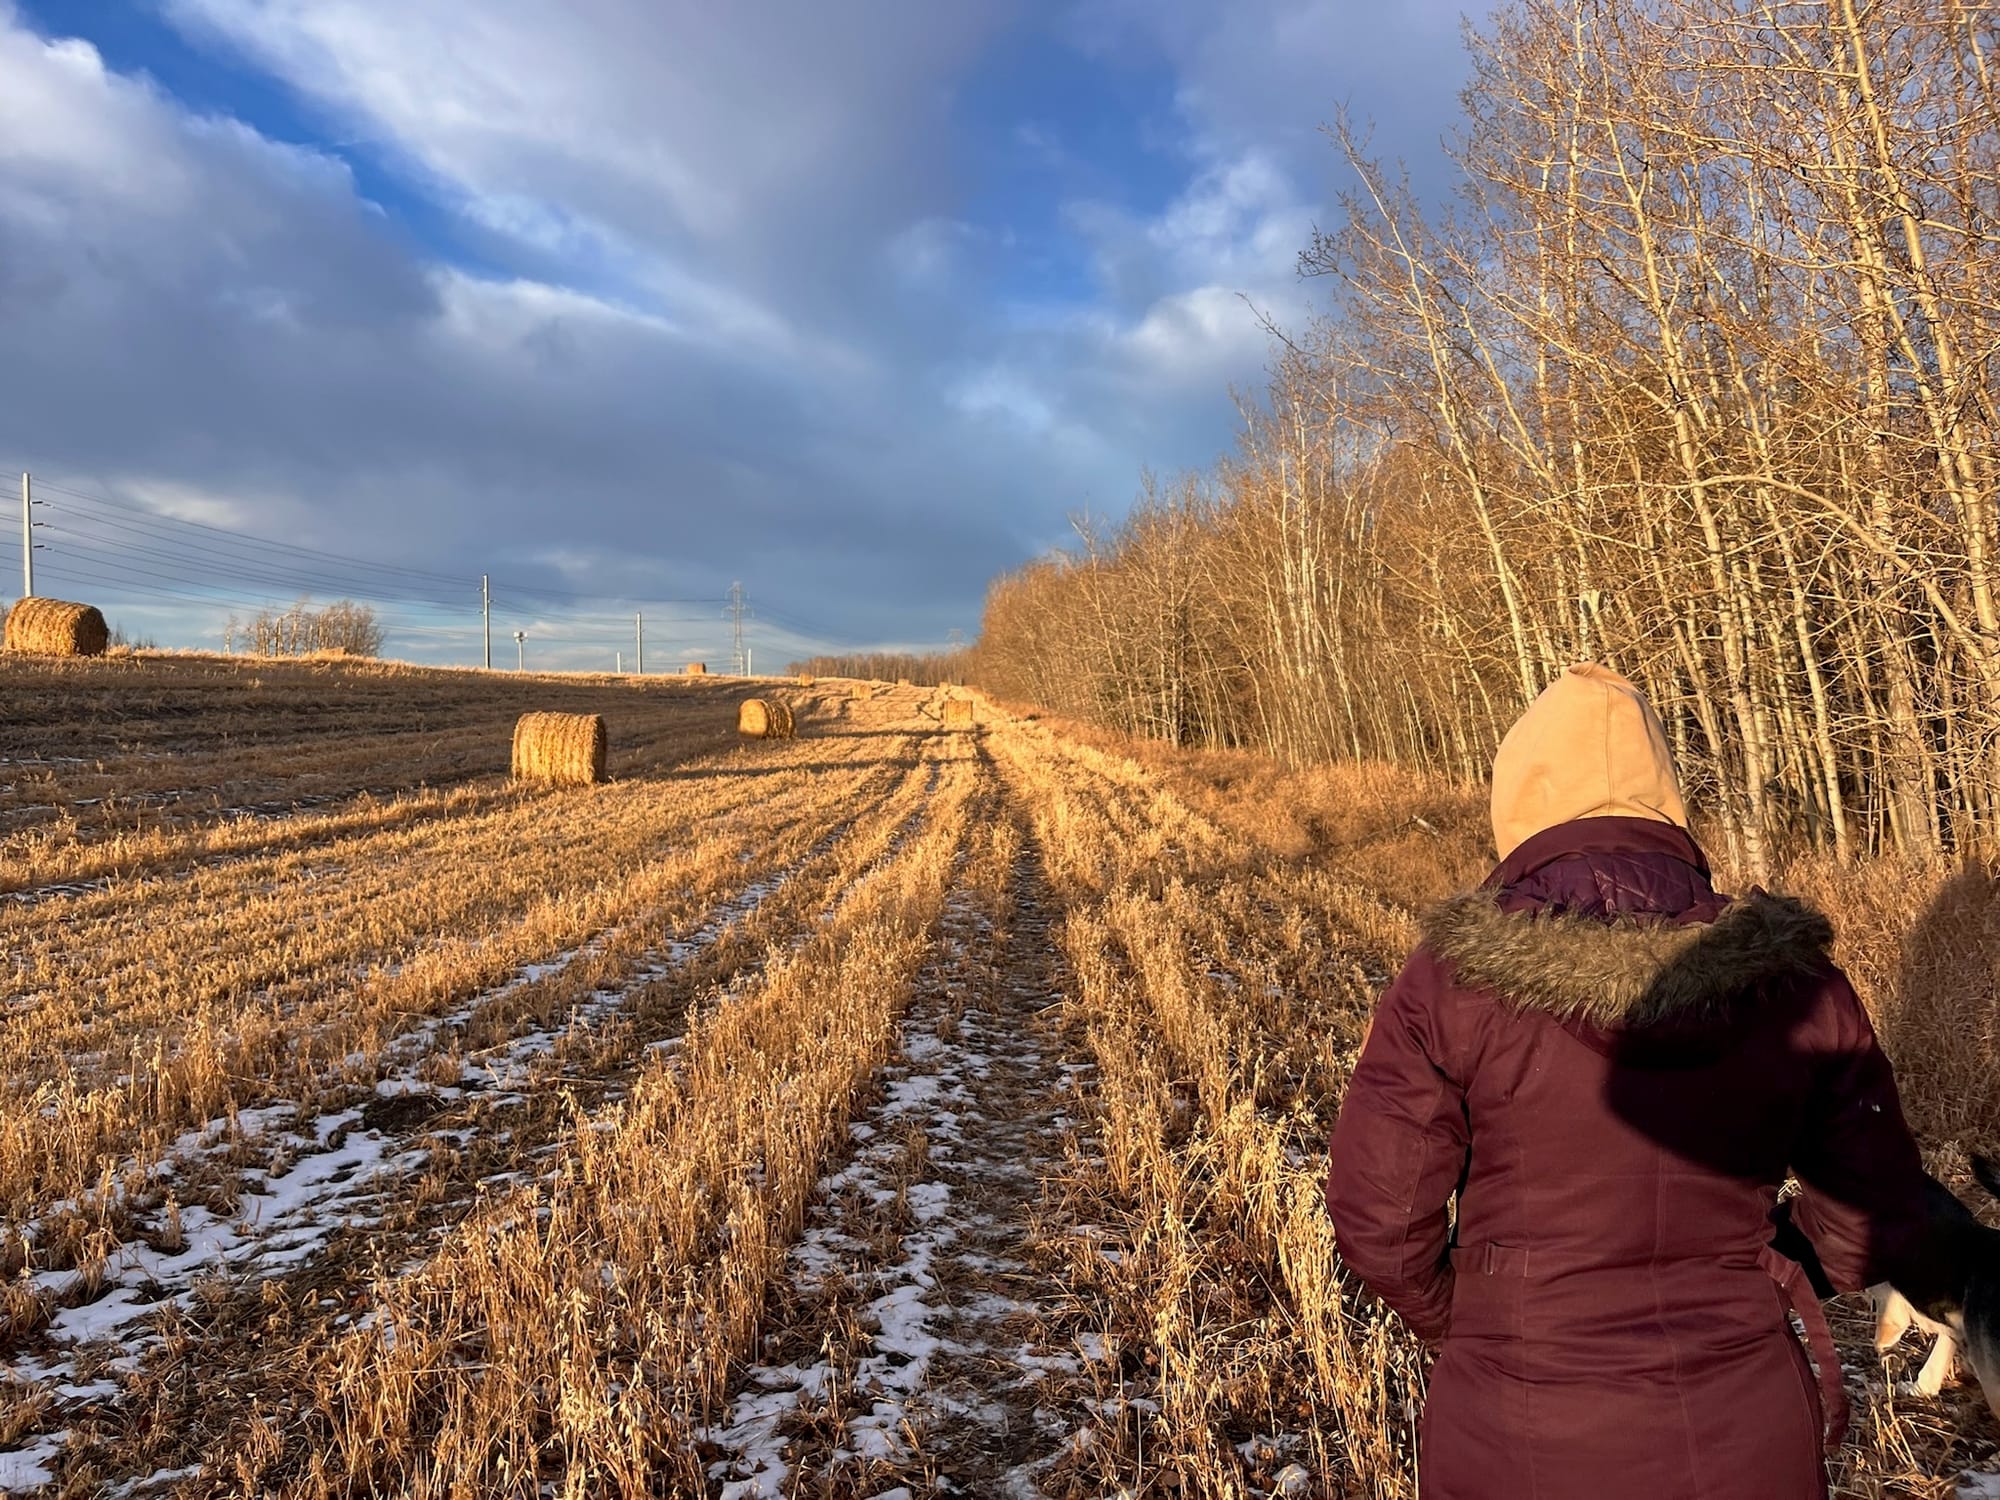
(1187, 289)
(995, 391)
(186, 503)
(1190, 338)
(1240, 216)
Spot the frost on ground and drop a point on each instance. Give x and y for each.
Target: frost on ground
(916, 1342)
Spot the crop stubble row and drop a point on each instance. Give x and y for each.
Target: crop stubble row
(818, 854)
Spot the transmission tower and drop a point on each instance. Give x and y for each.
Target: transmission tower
(736, 624)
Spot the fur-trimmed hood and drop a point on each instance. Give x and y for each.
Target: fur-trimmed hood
(1627, 973)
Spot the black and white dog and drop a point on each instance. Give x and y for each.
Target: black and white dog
(1950, 1289)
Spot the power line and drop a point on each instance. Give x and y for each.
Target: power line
(158, 544)
(126, 586)
(297, 557)
(149, 554)
(249, 539)
(290, 579)
(169, 533)
(156, 527)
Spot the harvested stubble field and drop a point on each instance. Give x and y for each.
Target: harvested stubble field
(882, 1108)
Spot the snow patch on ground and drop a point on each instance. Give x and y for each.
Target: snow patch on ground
(949, 1371)
(27, 1468)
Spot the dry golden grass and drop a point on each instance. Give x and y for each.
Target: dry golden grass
(1222, 1015)
(1230, 924)
(716, 949)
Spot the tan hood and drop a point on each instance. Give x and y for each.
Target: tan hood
(1588, 747)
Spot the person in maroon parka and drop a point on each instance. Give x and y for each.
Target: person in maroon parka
(1613, 1070)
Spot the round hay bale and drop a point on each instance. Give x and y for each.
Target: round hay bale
(863, 691)
(765, 719)
(958, 713)
(805, 679)
(55, 627)
(560, 749)
(697, 669)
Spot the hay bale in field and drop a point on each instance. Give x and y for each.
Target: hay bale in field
(697, 669)
(55, 627)
(958, 713)
(561, 749)
(766, 719)
(902, 682)
(805, 679)
(863, 691)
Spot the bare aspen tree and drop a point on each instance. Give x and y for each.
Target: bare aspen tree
(1694, 376)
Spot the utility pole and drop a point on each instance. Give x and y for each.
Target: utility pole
(736, 626)
(639, 646)
(749, 659)
(520, 651)
(27, 536)
(486, 618)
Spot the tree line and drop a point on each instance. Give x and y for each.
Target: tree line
(1693, 374)
(925, 669)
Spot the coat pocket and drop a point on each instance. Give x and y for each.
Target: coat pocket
(1489, 1291)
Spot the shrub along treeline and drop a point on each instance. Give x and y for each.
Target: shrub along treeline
(927, 669)
(303, 629)
(1695, 377)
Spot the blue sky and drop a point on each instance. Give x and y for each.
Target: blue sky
(622, 300)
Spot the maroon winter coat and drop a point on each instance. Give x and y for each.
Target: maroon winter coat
(1614, 1068)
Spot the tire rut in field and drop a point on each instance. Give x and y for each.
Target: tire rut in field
(917, 1343)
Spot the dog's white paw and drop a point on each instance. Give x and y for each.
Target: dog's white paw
(1893, 1314)
(1937, 1369)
